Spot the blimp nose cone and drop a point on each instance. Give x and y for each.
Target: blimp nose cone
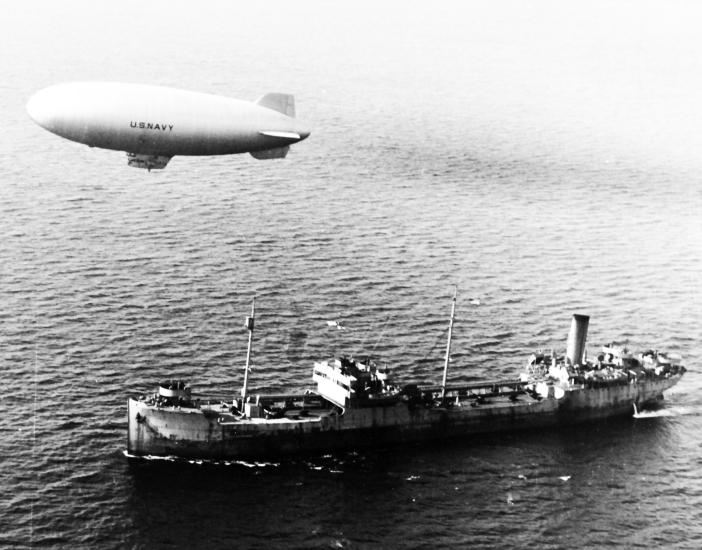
(41, 109)
(44, 107)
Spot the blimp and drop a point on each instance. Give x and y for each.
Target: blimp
(152, 124)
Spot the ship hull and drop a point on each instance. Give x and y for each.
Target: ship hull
(207, 434)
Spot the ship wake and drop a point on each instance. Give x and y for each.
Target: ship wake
(200, 461)
(666, 412)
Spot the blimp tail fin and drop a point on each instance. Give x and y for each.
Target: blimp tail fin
(277, 153)
(283, 103)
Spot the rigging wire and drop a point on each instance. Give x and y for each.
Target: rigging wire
(365, 337)
(382, 331)
(440, 337)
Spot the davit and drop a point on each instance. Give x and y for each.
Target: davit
(154, 123)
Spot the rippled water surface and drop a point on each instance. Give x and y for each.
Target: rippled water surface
(545, 159)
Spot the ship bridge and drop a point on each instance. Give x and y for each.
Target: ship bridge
(345, 381)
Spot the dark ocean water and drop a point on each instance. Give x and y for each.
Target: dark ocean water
(542, 158)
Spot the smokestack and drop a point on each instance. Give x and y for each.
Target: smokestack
(576, 339)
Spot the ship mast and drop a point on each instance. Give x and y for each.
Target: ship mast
(448, 344)
(250, 327)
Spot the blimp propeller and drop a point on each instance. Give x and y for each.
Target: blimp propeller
(155, 123)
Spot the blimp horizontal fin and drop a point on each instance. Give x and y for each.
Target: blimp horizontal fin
(283, 103)
(284, 135)
(277, 153)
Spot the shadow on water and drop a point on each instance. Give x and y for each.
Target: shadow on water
(369, 498)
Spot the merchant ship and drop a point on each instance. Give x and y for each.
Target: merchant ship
(356, 405)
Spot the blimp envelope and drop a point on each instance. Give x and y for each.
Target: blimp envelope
(154, 123)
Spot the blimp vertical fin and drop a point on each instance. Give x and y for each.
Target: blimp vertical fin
(283, 103)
